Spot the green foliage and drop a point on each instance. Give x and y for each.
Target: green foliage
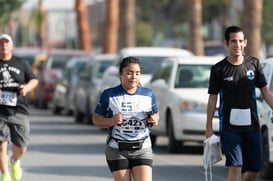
(181, 30)
(267, 28)
(37, 19)
(213, 9)
(7, 7)
(161, 14)
(165, 19)
(143, 34)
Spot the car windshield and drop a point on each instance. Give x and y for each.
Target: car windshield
(149, 63)
(102, 68)
(192, 76)
(29, 58)
(58, 61)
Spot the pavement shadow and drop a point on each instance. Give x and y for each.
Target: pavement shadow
(70, 171)
(64, 131)
(192, 150)
(187, 172)
(68, 148)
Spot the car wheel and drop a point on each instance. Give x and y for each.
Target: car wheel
(88, 114)
(36, 103)
(78, 117)
(174, 146)
(70, 107)
(41, 103)
(56, 109)
(266, 172)
(67, 111)
(38, 97)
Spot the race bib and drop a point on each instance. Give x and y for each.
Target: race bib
(240, 117)
(8, 98)
(133, 126)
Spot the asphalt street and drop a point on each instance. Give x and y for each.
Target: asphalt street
(61, 150)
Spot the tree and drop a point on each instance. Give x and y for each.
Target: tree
(267, 28)
(6, 9)
(111, 27)
(127, 23)
(252, 18)
(215, 11)
(165, 17)
(83, 26)
(38, 22)
(195, 27)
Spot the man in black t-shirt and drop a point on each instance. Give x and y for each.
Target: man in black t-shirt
(235, 78)
(16, 80)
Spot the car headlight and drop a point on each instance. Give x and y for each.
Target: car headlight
(187, 105)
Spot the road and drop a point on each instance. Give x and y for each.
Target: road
(61, 150)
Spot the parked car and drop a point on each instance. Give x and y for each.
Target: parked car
(266, 122)
(50, 71)
(66, 85)
(180, 86)
(37, 63)
(102, 62)
(149, 58)
(86, 95)
(28, 53)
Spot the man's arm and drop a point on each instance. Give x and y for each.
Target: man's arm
(268, 96)
(210, 114)
(25, 88)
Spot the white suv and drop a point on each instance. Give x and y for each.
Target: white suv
(266, 122)
(180, 86)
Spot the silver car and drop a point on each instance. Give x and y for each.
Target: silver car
(87, 93)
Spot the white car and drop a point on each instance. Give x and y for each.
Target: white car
(149, 58)
(180, 86)
(266, 121)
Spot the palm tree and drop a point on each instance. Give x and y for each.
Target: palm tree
(83, 26)
(252, 18)
(127, 23)
(6, 9)
(195, 26)
(111, 27)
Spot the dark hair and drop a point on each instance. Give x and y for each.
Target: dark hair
(126, 61)
(232, 29)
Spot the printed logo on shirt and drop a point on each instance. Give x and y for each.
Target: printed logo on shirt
(250, 74)
(127, 106)
(7, 80)
(229, 78)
